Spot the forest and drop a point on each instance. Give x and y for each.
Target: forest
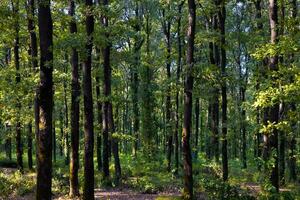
(149, 99)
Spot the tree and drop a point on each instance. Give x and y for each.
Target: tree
(222, 17)
(45, 102)
(74, 162)
(30, 8)
(19, 150)
(178, 72)
(188, 88)
(167, 31)
(272, 138)
(88, 187)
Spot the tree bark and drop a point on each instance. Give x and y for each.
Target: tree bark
(272, 114)
(178, 72)
(293, 141)
(19, 150)
(188, 88)
(222, 18)
(99, 118)
(74, 162)
(197, 114)
(135, 80)
(45, 102)
(88, 187)
(29, 147)
(106, 103)
(167, 33)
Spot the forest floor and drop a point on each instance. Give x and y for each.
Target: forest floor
(148, 181)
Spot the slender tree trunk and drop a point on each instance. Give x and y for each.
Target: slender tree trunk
(259, 28)
(197, 114)
(135, 81)
(19, 151)
(88, 187)
(66, 131)
(115, 147)
(29, 146)
(243, 129)
(45, 102)
(272, 138)
(169, 135)
(188, 88)
(293, 141)
(99, 117)
(106, 104)
(282, 138)
(74, 162)
(30, 11)
(222, 18)
(178, 72)
(215, 60)
(54, 139)
(61, 127)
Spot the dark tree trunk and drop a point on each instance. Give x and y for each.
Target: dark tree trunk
(74, 162)
(115, 146)
(108, 111)
(30, 10)
(178, 72)
(188, 88)
(215, 60)
(222, 18)
(66, 132)
(167, 32)
(293, 141)
(271, 142)
(19, 151)
(197, 114)
(258, 134)
(45, 102)
(243, 128)
(99, 118)
(282, 138)
(29, 146)
(106, 104)
(135, 81)
(61, 127)
(8, 148)
(88, 187)
(54, 138)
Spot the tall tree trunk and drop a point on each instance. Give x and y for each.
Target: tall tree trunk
(29, 146)
(188, 88)
(19, 151)
(88, 187)
(62, 136)
(66, 131)
(99, 118)
(167, 32)
(271, 142)
(135, 80)
(293, 141)
(115, 146)
(215, 60)
(178, 72)
(45, 102)
(259, 27)
(197, 114)
(74, 162)
(222, 18)
(106, 103)
(108, 111)
(54, 138)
